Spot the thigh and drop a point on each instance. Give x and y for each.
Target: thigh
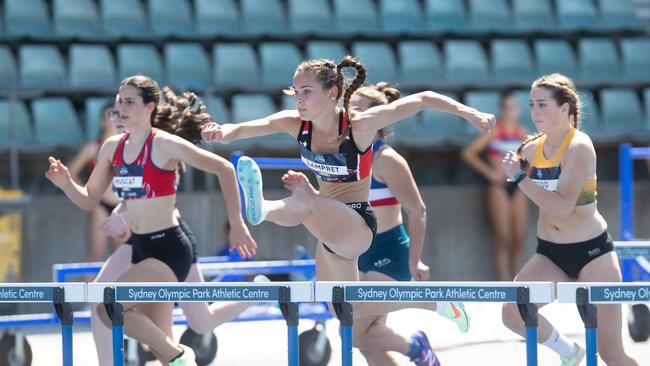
(540, 268)
(116, 265)
(498, 206)
(148, 270)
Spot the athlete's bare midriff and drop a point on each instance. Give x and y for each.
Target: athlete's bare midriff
(584, 223)
(151, 214)
(388, 217)
(346, 192)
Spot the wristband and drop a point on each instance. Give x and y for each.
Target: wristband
(518, 177)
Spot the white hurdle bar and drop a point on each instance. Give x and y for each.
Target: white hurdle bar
(287, 294)
(524, 294)
(60, 295)
(586, 294)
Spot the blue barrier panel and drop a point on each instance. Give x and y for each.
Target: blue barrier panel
(586, 294)
(287, 294)
(59, 294)
(524, 294)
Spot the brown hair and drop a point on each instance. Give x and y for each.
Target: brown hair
(329, 74)
(380, 94)
(563, 90)
(183, 115)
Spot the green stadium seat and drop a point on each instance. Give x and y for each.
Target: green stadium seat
(215, 17)
(485, 101)
(246, 107)
(56, 122)
(532, 15)
(523, 99)
(263, 16)
(76, 18)
(91, 66)
(621, 111)
(646, 103)
(489, 15)
(8, 72)
(620, 15)
(359, 16)
(445, 15)
(440, 128)
(420, 62)
(465, 60)
(288, 102)
(279, 62)
(93, 117)
(577, 14)
(216, 107)
(170, 17)
(408, 132)
(401, 16)
(555, 55)
(123, 18)
(378, 59)
(187, 66)
(598, 59)
(41, 66)
(133, 59)
(21, 123)
(590, 121)
(235, 64)
(511, 59)
(330, 50)
(26, 17)
(636, 62)
(312, 16)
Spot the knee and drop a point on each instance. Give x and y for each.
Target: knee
(102, 315)
(510, 316)
(199, 327)
(358, 336)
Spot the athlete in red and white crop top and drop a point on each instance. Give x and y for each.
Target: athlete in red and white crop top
(141, 178)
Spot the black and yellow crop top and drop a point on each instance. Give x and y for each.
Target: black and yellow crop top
(546, 172)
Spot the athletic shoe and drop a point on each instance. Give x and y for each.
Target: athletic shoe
(261, 278)
(426, 357)
(187, 359)
(455, 311)
(577, 357)
(250, 180)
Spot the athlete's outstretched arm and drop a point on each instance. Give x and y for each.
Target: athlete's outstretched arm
(176, 148)
(376, 118)
(85, 197)
(284, 121)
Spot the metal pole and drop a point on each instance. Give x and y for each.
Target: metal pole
(625, 173)
(64, 312)
(588, 314)
(290, 313)
(528, 313)
(343, 312)
(114, 311)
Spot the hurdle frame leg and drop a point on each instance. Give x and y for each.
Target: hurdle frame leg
(291, 316)
(528, 312)
(588, 313)
(64, 313)
(115, 313)
(343, 312)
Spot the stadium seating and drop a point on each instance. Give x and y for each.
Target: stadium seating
(312, 16)
(489, 15)
(420, 62)
(55, 122)
(278, 62)
(92, 115)
(41, 66)
(577, 14)
(465, 61)
(511, 59)
(123, 18)
(532, 15)
(598, 59)
(622, 112)
(133, 59)
(445, 15)
(554, 55)
(263, 16)
(235, 64)
(619, 15)
(8, 73)
(21, 128)
(77, 18)
(330, 50)
(186, 66)
(170, 17)
(216, 17)
(636, 62)
(91, 66)
(359, 16)
(378, 59)
(26, 17)
(401, 16)
(247, 107)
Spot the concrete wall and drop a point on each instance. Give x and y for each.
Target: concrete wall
(458, 239)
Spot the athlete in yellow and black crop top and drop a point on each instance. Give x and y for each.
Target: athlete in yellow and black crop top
(546, 172)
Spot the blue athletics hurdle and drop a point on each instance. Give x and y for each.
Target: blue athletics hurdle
(59, 294)
(287, 294)
(626, 156)
(586, 294)
(524, 294)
